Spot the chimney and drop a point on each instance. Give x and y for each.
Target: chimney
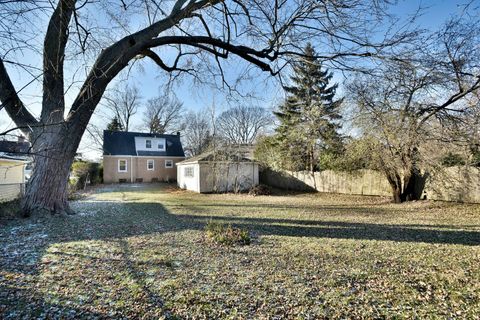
(178, 133)
(21, 139)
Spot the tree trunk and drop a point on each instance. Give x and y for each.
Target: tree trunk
(312, 167)
(395, 181)
(47, 190)
(409, 182)
(403, 188)
(396, 194)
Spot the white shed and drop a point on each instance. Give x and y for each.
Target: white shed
(207, 173)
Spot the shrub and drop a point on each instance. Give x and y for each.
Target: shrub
(9, 210)
(226, 234)
(84, 172)
(453, 159)
(260, 190)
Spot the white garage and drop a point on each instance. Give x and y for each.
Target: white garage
(206, 173)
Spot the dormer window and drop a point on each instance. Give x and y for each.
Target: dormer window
(151, 144)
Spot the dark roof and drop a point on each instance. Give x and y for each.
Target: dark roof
(13, 150)
(123, 143)
(14, 147)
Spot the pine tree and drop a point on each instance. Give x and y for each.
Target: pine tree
(155, 125)
(307, 117)
(115, 125)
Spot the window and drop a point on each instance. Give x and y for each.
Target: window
(168, 164)
(150, 164)
(122, 165)
(148, 144)
(160, 145)
(188, 172)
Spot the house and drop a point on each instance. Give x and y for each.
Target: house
(13, 160)
(140, 157)
(214, 172)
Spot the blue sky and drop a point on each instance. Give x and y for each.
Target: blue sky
(149, 78)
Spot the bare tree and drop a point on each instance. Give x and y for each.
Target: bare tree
(404, 103)
(163, 114)
(197, 132)
(242, 124)
(124, 103)
(394, 111)
(264, 34)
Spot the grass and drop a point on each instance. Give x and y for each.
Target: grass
(141, 252)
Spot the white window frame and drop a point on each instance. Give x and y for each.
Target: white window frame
(146, 144)
(152, 161)
(126, 165)
(187, 169)
(171, 163)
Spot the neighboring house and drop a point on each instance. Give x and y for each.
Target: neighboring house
(140, 157)
(217, 173)
(13, 160)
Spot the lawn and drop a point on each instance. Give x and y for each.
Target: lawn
(141, 252)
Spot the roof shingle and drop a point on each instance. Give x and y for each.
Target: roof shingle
(123, 143)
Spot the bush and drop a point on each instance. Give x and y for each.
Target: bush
(9, 210)
(453, 159)
(226, 234)
(83, 173)
(260, 190)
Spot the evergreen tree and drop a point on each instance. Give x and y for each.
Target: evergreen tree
(307, 117)
(155, 125)
(115, 125)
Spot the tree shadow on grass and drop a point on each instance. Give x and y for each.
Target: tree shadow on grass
(349, 230)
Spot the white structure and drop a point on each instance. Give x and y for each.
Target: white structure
(12, 177)
(206, 174)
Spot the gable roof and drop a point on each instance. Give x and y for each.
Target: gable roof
(123, 143)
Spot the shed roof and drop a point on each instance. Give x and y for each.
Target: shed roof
(12, 157)
(123, 143)
(14, 150)
(211, 156)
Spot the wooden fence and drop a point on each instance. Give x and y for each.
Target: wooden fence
(450, 184)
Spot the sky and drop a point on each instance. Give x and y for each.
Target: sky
(149, 79)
